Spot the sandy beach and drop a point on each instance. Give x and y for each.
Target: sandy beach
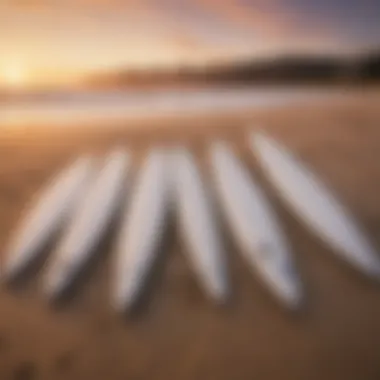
(177, 333)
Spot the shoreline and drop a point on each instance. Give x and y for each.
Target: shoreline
(117, 109)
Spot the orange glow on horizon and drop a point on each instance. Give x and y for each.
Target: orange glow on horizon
(18, 76)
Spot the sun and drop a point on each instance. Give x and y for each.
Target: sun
(14, 76)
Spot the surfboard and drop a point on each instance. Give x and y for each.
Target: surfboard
(254, 225)
(198, 226)
(88, 224)
(49, 212)
(316, 205)
(142, 229)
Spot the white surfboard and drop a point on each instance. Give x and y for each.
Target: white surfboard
(141, 230)
(198, 226)
(317, 207)
(50, 211)
(254, 225)
(88, 224)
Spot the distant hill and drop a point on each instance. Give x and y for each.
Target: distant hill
(282, 70)
(370, 67)
(293, 69)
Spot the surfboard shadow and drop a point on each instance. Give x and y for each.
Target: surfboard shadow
(154, 276)
(97, 255)
(33, 267)
(227, 246)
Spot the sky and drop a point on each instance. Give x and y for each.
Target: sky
(61, 39)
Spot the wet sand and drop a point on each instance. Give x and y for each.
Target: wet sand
(177, 333)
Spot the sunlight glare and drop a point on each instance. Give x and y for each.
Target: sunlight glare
(14, 76)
